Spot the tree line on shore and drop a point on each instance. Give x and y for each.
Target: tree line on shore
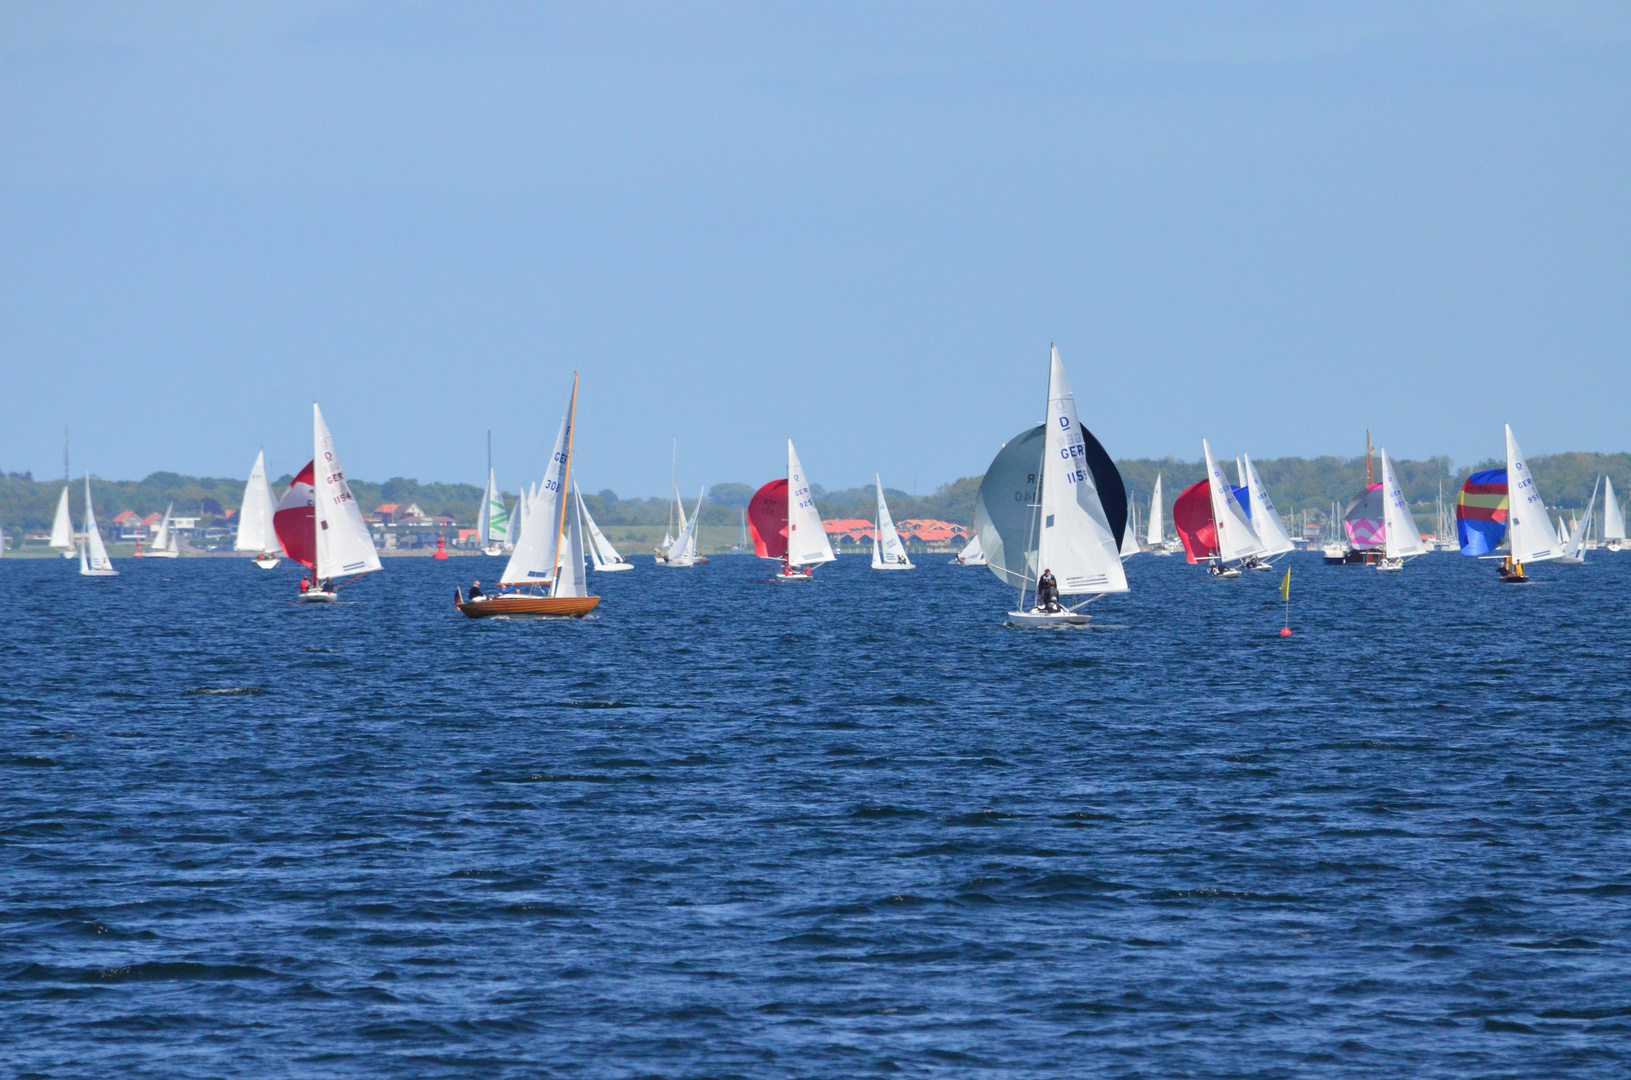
(1295, 484)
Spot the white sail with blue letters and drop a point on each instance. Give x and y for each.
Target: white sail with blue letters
(344, 547)
(1074, 538)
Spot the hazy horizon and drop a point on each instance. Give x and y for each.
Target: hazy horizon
(1269, 226)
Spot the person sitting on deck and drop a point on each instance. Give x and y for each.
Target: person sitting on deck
(1047, 592)
(475, 591)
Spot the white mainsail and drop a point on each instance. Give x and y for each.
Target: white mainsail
(343, 544)
(512, 528)
(493, 520)
(1074, 540)
(806, 537)
(1613, 519)
(255, 515)
(1528, 529)
(888, 553)
(1236, 538)
(1266, 523)
(538, 548)
(62, 527)
(1156, 536)
(161, 539)
(98, 564)
(1400, 538)
(1574, 546)
(1129, 533)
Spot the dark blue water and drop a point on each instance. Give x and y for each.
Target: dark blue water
(850, 828)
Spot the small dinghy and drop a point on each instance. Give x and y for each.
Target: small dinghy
(888, 553)
(789, 528)
(93, 556)
(255, 517)
(319, 523)
(1400, 538)
(1051, 511)
(602, 556)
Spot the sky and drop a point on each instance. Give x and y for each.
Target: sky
(858, 226)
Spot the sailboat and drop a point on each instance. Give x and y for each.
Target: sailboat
(1613, 518)
(888, 553)
(682, 550)
(319, 523)
(492, 519)
(165, 544)
(741, 545)
(1400, 538)
(1129, 535)
(62, 526)
(93, 557)
(1212, 523)
(972, 554)
(512, 528)
(1574, 544)
(549, 551)
(1156, 536)
(602, 556)
(1265, 519)
(1528, 531)
(1052, 502)
(255, 517)
(786, 525)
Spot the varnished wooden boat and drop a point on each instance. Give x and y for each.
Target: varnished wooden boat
(560, 607)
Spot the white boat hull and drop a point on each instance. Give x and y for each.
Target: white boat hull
(317, 596)
(158, 555)
(677, 564)
(493, 549)
(68, 554)
(266, 562)
(88, 572)
(1037, 618)
(1389, 566)
(894, 566)
(1570, 560)
(802, 575)
(608, 568)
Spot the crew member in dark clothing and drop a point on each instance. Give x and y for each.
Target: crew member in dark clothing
(1047, 592)
(475, 591)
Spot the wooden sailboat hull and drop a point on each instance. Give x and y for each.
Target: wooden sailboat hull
(560, 607)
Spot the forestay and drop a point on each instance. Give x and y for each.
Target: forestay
(343, 544)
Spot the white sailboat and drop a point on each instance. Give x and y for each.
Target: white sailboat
(1129, 533)
(1236, 539)
(549, 550)
(343, 546)
(1528, 530)
(1400, 538)
(165, 544)
(492, 518)
(888, 553)
(1266, 523)
(512, 528)
(682, 550)
(1574, 544)
(1039, 514)
(971, 555)
(602, 556)
(93, 557)
(255, 518)
(62, 526)
(1156, 536)
(807, 543)
(1613, 518)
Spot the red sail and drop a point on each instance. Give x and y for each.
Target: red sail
(296, 522)
(767, 519)
(1192, 517)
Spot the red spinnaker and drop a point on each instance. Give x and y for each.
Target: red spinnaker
(767, 520)
(1192, 517)
(295, 521)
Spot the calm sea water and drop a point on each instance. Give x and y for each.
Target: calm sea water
(849, 828)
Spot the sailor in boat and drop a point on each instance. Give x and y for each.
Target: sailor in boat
(1047, 592)
(476, 593)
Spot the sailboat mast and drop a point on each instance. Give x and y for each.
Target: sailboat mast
(566, 484)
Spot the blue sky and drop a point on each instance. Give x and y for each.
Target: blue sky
(861, 226)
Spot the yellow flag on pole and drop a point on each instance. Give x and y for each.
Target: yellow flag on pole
(1285, 586)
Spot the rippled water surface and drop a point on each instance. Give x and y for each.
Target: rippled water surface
(849, 828)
